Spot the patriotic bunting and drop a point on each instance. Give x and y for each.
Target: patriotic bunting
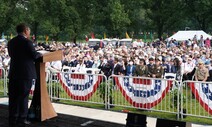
(203, 93)
(80, 86)
(143, 93)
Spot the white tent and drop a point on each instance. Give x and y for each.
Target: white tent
(185, 35)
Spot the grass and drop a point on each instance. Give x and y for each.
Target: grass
(1, 94)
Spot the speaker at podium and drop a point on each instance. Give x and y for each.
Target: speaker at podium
(136, 120)
(171, 123)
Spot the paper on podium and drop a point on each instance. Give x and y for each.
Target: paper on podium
(43, 51)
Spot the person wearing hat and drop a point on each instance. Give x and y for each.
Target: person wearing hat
(150, 66)
(201, 73)
(151, 61)
(157, 70)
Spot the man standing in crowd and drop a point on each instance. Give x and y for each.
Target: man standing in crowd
(87, 61)
(22, 74)
(117, 68)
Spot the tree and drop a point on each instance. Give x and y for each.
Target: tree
(76, 18)
(163, 14)
(136, 15)
(8, 10)
(199, 11)
(83, 12)
(118, 17)
(35, 11)
(58, 18)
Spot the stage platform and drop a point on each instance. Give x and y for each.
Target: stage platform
(77, 116)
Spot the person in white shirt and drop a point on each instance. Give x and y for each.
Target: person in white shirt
(141, 43)
(189, 42)
(195, 45)
(96, 62)
(81, 67)
(189, 69)
(56, 65)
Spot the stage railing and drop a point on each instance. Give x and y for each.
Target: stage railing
(188, 98)
(196, 99)
(90, 88)
(144, 93)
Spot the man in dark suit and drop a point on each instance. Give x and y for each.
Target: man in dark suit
(117, 68)
(22, 74)
(88, 63)
(104, 66)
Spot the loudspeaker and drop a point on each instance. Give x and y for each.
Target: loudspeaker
(171, 123)
(136, 120)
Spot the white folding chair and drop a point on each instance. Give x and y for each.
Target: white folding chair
(66, 69)
(171, 76)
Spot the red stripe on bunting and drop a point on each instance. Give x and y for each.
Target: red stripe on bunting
(77, 76)
(142, 81)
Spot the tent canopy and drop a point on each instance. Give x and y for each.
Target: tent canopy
(185, 35)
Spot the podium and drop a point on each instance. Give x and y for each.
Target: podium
(41, 105)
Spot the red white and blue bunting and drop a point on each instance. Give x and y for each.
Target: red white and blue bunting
(80, 86)
(143, 93)
(203, 93)
(139, 92)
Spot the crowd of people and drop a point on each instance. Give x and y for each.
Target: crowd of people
(189, 60)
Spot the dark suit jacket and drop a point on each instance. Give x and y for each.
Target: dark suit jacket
(73, 63)
(88, 64)
(166, 68)
(23, 56)
(106, 69)
(129, 71)
(173, 69)
(118, 69)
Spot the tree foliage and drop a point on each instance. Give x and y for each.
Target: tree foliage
(200, 12)
(118, 17)
(163, 14)
(74, 19)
